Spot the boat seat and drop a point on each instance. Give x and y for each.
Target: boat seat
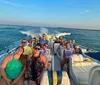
(94, 76)
(55, 78)
(79, 69)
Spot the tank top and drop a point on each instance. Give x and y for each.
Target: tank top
(13, 68)
(68, 53)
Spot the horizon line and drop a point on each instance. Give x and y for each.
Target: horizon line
(52, 26)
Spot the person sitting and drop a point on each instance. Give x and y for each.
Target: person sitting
(13, 68)
(66, 55)
(45, 50)
(56, 41)
(79, 50)
(89, 49)
(37, 41)
(48, 36)
(34, 41)
(60, 47)
(71, 44)
(76, 46)
(30, 44)
(44, 39)
(37, 63)
(27, 49)
(61, 39)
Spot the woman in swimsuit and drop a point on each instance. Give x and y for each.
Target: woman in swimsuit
(13, 68)
(36, 65)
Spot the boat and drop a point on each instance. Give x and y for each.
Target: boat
(94, 76)
(80, 66)
(79, 69)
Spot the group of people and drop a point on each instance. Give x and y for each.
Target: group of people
(67, 49)
(29, 61)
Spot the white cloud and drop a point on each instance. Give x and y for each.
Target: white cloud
(85, 11)
(16, 4)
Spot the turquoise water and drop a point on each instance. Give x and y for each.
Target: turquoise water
(87, 38)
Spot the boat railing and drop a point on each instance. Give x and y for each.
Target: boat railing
(95, 60)
(2, 56)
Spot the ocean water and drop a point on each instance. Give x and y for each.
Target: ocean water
(87, 38)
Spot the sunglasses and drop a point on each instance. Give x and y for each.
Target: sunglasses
(23, 42)
(37, 48)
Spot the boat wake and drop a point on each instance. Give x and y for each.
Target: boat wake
(43, 30)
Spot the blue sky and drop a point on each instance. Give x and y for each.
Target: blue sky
(65, 13)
